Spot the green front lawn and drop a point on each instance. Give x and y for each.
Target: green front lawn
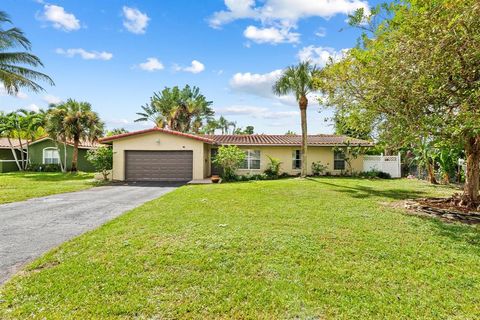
(309, 249)
(18, 186)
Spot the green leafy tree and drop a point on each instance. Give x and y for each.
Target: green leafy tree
(14, 71)
(56, 130)
(116, 131)
(416, 75)
(229, 158)
(102, 160)
(299, 80)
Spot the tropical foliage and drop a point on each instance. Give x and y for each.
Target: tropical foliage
(299, 80)
(102, 160)
(229, 158)
(14, 71)
(415, 74)
(185, 110)
(74, 121)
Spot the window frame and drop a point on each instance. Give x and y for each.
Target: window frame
(338, 160)
(295, 160)
(250, 157)
(50, 149)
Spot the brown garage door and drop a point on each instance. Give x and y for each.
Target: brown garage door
(158, 165)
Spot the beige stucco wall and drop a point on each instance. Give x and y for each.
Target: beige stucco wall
(158, 141)
(284, 154)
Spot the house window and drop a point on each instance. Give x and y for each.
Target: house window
(252, 160)
(51, 156)
(296, 159)
(338, 160)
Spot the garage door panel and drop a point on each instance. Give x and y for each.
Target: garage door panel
(158, 165)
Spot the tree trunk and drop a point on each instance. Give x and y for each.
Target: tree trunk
(60, 159)
(303, 103)
(470, 196)
(431, 173)
(75, 155)
(22, 155)
(14, 154)
(64, 155)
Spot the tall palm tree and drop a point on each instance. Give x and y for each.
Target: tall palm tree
(30, 124)
(13, 71)
(298, 80)
(56, 130)
(8, 130)
(223, 124)
(80, 123)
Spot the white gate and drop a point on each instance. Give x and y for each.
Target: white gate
(388, 164)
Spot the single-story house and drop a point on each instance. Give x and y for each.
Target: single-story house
(44, 151)
(164, 155)
(7, 160)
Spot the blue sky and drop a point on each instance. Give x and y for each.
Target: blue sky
(115, 54)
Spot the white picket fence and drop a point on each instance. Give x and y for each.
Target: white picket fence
(388, 164)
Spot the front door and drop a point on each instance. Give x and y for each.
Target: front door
(215, 168)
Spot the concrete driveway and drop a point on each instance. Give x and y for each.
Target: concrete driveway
(30, 228)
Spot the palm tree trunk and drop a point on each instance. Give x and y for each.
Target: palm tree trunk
(303, 103)
(14, 154)
(60, 159)
(75, 155)
(22, 156)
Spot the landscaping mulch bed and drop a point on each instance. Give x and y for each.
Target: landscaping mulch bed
(444, 208)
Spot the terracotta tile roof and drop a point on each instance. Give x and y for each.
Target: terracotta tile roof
(172, 132)
(5, 145)
(287, 140)
(253, 139)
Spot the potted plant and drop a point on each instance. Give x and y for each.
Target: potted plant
(215, 178)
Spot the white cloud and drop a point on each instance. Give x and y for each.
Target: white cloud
(256, 112)
(283, 10)
(271, 35)
(152, 64)
(59, 18)
(33, 107)
(320, 55)
(255, 83)
(321, 32)
(84, 54)
(51, 99)
(134, 20)
(195, 67)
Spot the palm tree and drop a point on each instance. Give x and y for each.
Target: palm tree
(56, 130)
(10, 127)
(30, 124)
(223, 124)
(13, 73)
(182, 110)
(79, 123)
(299, 81)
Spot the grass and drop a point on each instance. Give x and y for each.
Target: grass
(328, 248)
(18, 186)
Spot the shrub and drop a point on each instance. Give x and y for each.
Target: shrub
(36, 167)
(273, 168)
(318, 168)
(102, 160)
(229, 158)
(375, 174)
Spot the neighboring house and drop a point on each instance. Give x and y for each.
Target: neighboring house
(7, 160)
(44, 151)
(164, 155)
